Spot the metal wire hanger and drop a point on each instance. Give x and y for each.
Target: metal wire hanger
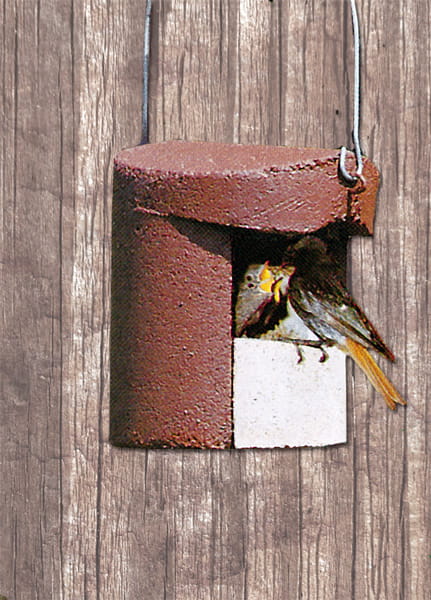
(146, 75)
(352, 179)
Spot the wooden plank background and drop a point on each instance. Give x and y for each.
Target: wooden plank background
(81, 519)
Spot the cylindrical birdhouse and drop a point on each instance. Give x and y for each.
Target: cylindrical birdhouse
(187, 218)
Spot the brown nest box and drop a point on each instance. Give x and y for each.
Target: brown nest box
(177, 209)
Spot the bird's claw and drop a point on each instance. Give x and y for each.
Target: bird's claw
(299, 353)
(324, 356)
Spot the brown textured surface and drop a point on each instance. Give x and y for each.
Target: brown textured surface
(261, 187)
(81, 518)
(171, 341)
(171, 331)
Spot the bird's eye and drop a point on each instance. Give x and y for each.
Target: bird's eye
(249, 277)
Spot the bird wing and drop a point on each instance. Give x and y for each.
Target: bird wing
(332, 314)
(249, 310)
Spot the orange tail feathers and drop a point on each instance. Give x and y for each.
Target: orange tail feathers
(377, 378)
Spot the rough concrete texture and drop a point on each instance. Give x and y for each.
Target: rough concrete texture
(270, 188)
(171, 340)
(278, 402)
(171, 333)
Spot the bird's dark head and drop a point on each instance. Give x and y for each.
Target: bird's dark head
(309, 254)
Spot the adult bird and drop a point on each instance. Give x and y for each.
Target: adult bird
(324, 304)
(304, 302)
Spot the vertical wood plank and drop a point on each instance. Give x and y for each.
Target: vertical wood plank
(315, 114)
(392, 280)
(86, 286)
(37, 191)
(414, 184)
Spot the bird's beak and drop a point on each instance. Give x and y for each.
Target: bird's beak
(266, 278)
(282, 282)
(277, 289)
(288, 270)
(265, 272)
(272, 280)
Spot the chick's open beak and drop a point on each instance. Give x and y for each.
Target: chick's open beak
(275, 279)
(266, 278)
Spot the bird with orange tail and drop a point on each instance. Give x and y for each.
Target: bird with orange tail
(304, 302)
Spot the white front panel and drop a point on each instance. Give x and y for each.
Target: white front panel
(278, 402)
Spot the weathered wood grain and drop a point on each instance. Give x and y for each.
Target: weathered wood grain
(81, 519)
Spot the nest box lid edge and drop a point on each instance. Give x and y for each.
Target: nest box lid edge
(268, 188)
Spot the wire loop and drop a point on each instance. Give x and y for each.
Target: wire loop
(349, 178)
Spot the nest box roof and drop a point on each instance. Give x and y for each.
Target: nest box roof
(269, 188)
